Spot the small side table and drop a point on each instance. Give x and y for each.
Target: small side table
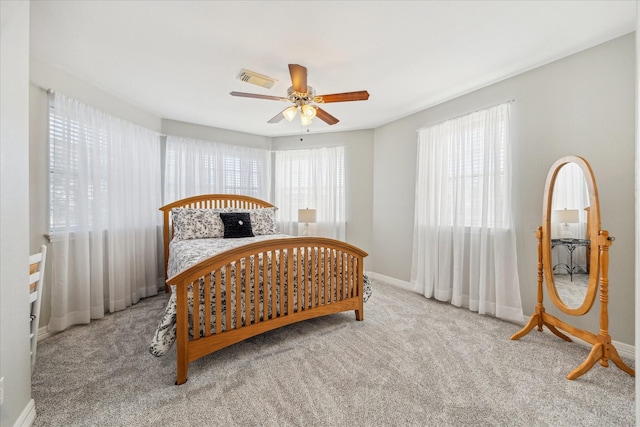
(571, 245)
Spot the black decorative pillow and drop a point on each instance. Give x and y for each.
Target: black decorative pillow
(237, 224)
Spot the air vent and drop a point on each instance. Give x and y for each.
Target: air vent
(256, 79)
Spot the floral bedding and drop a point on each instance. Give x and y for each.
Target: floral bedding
(186, 253)
(202, 223)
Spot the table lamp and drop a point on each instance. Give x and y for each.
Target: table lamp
(566, 217)
(306, 216)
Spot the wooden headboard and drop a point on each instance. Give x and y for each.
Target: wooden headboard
(205, 201)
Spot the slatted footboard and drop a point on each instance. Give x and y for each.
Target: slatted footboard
(262, 286)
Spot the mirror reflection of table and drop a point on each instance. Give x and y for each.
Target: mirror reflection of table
(571, 245)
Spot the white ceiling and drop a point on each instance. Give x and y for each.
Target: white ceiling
(179, 59)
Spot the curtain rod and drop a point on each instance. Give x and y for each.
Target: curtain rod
(510, 101)
(48, 90)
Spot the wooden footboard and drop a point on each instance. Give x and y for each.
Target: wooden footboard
(264, 285)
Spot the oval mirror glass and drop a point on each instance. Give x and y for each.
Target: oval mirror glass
(572, 221)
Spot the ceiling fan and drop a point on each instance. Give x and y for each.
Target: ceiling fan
(304, 99)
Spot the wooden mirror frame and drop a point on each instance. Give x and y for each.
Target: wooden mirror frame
(603, 350)
(593, 229)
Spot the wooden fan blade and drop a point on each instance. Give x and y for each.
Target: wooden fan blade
(255, 95)
(277, 117)
(362, 95)
(326, 117)
(298, 77)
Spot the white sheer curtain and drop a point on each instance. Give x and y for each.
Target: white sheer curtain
(195, 167)
(464, 248)
(313, 179)
(105, 182)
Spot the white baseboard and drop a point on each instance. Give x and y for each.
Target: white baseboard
(44, 333)
(390, 280)
(28, 415)
(624, 350)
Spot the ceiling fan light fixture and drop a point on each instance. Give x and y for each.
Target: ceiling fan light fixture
(308, 111)
(305, 120)
(301, 97)
(290, 112)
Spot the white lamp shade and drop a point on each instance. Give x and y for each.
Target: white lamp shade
(290, 112)
(309, 111)
(306, 215)
(566, 216)
(305, 120)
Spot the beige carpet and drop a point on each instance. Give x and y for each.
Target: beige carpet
(412, 361)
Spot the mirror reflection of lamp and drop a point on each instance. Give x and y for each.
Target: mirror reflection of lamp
(566, 217)
(306, 216)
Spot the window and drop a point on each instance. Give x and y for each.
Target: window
(315, 179)
(69, 142)
(464, 249)
(104, 183)
(199, 167)
(476, 168)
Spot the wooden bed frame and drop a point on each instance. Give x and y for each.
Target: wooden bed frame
(338, 286)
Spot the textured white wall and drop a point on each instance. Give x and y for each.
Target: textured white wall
(207, 133)
(46, 76)
(15, 362)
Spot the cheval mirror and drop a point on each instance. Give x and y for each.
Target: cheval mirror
(573, 260)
